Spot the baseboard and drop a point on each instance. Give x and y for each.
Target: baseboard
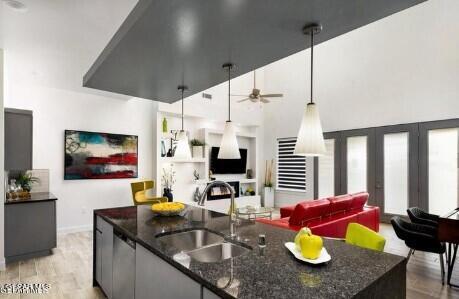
(74, 229)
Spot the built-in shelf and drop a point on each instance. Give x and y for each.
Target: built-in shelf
(238, 134)
(247, 181)
(175, 160)
(241, 181)
(210, 132)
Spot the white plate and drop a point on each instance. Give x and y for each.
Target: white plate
(323, 258)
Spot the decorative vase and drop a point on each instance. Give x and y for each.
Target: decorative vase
(198, 151)
(168, 193)
(26, 188)
(164, 125)
(268, 197)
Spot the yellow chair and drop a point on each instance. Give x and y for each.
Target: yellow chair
(362, 236)
(139, 196)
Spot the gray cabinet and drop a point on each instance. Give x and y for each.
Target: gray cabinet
(123, 267)
(30, 229)
(105, 250)
(155, 278)
(98, 261)
(18, 139)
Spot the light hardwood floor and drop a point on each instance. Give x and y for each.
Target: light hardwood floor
(69, 270)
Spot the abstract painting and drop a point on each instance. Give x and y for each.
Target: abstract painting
(91, 155)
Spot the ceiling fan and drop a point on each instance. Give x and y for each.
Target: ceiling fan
(256, 96)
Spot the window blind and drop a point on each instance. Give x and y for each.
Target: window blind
(291, 169)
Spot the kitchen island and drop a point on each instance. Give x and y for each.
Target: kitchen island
(152, 269)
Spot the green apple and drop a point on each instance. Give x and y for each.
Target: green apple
(303, 231)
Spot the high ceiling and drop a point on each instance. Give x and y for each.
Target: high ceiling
(164, 43)
(54, 43)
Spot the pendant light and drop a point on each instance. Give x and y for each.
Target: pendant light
(229, 148)
(182, 151)
(310, 141)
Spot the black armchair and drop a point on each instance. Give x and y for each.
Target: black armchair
(420, 237)
(420, 217)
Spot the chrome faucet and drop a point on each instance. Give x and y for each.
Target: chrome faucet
(202, 201)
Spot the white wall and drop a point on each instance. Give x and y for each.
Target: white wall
(401, 69)
(216, 109)
(2, 191)
(48, 49)
(55, 110)
(2, 214)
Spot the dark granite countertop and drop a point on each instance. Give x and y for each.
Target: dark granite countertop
(270, 272)
(34, 197)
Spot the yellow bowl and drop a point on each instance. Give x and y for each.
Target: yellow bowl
(168, 208)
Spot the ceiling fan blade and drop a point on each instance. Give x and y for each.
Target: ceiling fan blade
(264, 100)
(243, 100)
(238, 95)
(272, 95)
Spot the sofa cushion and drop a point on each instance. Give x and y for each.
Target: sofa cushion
(340, 204)
(307, 211)
(359, 200)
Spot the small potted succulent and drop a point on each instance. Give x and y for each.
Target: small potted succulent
(197, 148)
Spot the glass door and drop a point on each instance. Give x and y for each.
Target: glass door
(357, 162)
(396, 169)
(440, 166)
(326, 168)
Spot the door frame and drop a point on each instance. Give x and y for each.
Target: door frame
(336, 159)
(413, 158)
(424, 129)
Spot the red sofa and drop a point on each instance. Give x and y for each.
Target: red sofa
(328, 217)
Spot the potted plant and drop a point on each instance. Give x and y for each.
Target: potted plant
(25, 180)
(268, 191)
(168, 181)
(197, 148)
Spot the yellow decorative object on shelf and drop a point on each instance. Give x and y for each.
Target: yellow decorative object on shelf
(168, 208)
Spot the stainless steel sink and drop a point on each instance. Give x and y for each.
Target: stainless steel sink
(190, 240)
(217, 252)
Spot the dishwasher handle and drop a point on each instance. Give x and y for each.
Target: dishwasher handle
(124, 238)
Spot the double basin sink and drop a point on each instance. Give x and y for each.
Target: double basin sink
(202, 245)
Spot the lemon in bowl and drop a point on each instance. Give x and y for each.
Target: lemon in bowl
(168, 208)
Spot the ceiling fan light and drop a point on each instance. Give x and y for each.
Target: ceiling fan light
(182, 151)
(310, 141)
(229, 149)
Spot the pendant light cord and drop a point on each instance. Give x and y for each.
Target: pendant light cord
(312, 62)
(182, 108)
(229, 93)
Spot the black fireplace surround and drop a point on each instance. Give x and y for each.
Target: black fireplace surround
(221, 192)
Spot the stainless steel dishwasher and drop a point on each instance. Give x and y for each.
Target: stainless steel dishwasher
(123, 267)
